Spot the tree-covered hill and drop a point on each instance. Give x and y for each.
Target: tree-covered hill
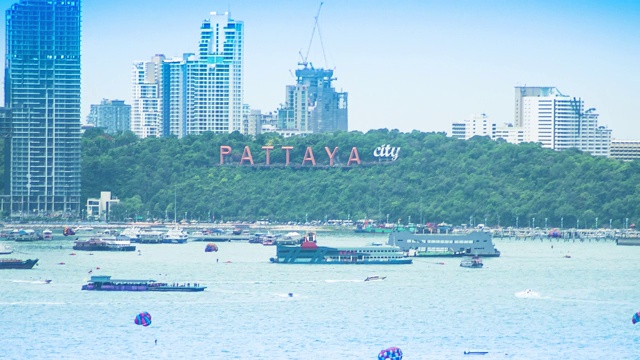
(434, 179)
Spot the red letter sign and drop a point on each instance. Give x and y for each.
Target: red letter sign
(224, 150)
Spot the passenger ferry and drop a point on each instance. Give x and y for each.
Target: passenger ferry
(310, 253)
(106, 283)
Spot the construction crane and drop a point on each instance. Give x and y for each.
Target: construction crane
(305, 58)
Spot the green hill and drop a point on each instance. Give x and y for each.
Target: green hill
(435, 178)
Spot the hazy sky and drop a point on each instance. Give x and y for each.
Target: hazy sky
(406, 64)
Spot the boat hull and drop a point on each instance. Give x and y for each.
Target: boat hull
(324, 255)
(18, 264)
(105, 248)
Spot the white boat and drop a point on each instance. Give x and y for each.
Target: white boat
(132, 233)
(150, 236)
(5, 250)
(47, 234)
(175, 235)
(472, 262)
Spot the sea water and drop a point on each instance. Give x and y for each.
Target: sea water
(582, 298)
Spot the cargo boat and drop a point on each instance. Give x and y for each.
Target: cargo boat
(17, 264)
(106, 283)
(310, 253)
(445, 245)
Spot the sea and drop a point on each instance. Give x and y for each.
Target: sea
(540, 299)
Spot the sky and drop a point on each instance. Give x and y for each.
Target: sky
(406, 64)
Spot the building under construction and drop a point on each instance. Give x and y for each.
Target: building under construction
(312, 104)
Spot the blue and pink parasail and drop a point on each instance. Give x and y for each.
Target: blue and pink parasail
(144, 319)
(392, 353)
(211, 247)
(636, 318)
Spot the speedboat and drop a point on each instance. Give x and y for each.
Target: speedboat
(5, 250)
(473, 262)
(375, 277)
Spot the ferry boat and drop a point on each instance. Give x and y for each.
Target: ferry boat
(310, 253)
(446, 245)
(472, 262)
(175, 235)
(106, 283)
(17, 264)
(100, 244)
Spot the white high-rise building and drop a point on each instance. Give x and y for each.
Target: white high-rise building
(559, 121)
(215, 77)
(146, 104)
(199, 92)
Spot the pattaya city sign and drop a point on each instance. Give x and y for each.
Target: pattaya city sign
(384, 151)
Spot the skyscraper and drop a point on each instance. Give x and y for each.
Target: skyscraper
(312, 104)
(199, 92)
(42, 89)
(146, 105)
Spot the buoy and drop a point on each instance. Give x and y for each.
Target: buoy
(290, 294)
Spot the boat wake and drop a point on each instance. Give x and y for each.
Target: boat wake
(341, 281)
(528, 293)
(32, 281)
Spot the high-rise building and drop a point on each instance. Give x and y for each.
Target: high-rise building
(42, 89)
(312, 104)
(146, 107)
(199, 92)
(111, 115)
(559, 121)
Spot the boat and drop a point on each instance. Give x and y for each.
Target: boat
(175, 235)
(375, 277)
(310, 253)
(17, 264)
(47, 234)
(25, 235)
(628, 241)
(106, 283)
(104, 244)
(472, 262)
(445, 245)
(5, 250)
(269, 240)
(290, 238)
(150, 236)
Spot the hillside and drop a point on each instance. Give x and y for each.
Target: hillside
(435, 178)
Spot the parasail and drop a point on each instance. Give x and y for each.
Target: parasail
(555, 233)
(211, 247)
(392, 353)
(144, 319)
(636, 317)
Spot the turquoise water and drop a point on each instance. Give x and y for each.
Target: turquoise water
(582, 310)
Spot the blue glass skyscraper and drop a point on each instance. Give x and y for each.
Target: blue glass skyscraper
(42, 90)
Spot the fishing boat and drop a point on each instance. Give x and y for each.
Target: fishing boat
(310, 253)
(104, 244)
(472, 262)
(17, 264)
(106, 283)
